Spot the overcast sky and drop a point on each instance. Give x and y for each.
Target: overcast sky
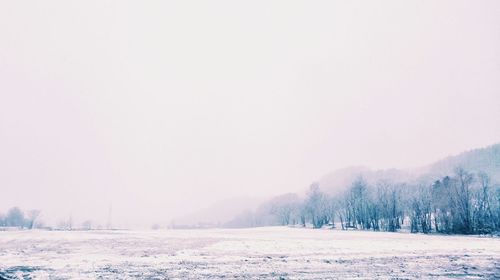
(161, 107)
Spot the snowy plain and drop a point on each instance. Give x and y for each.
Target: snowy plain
(256, 253)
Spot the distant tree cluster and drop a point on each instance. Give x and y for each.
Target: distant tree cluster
(464, 203)
(15, 217)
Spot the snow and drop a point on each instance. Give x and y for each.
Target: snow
(257, 253)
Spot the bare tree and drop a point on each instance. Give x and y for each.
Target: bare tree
(283, 207)
(442, 205)
(15, 217)
(32, 217)
(462, 194)
(2, 220)
(389, 201)
(483, 218)
(87, 225)
(359, 203)
(317, 206)
(420, 210)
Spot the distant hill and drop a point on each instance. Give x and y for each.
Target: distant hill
(339, 180)
(483, 159)
(244, 211)
(219, 213)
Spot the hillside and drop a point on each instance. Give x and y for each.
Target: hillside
(217, 214)
(246, 211)
(477, 160)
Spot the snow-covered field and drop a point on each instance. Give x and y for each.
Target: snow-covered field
(259, 253)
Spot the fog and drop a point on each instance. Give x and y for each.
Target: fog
(155, 109)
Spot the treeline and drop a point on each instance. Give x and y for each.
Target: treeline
(463, 203)
(15, 217)
(31, 219)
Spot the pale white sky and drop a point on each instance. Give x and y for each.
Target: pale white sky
(159, 107)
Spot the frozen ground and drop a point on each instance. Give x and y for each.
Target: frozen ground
(259, 253)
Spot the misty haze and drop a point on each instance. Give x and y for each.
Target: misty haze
(250, 140)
